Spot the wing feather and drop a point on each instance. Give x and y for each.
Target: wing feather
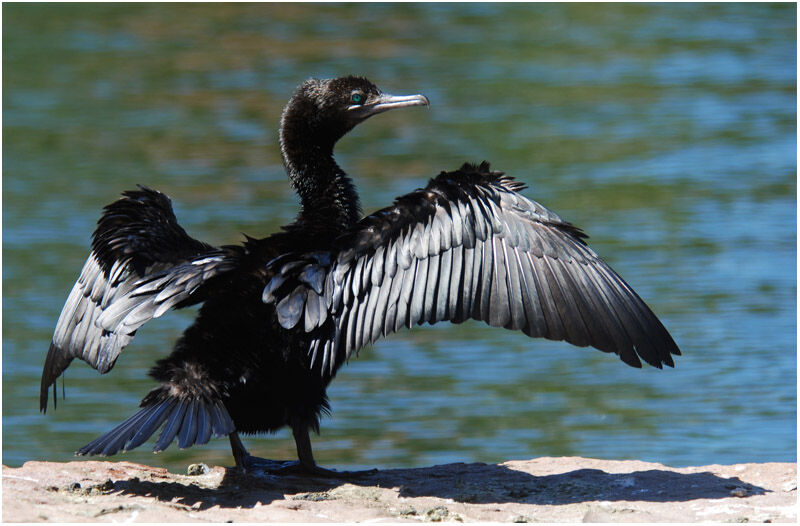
(470, 245)
(404, 312)
(142, 264)
(418, 292)
(431, 288)
(487, 273)
(515, 294)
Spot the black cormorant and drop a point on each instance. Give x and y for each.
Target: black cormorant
(281, 314)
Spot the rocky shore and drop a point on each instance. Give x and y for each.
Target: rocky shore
(544, 489)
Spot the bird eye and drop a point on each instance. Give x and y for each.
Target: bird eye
(357, 98)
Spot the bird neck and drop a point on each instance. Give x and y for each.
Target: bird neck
(328, 199)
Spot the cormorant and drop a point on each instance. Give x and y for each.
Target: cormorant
(281, 314)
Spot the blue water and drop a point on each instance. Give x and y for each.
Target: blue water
(666, 131)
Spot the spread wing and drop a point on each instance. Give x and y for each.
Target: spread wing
(142, 264)
(466, 246)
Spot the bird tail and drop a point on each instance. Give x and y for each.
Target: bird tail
(191, 420)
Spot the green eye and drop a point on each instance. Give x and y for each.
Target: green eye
(357, 98)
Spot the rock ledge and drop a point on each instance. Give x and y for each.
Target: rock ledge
(569, 489)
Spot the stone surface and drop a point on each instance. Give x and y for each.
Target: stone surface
(544, 489)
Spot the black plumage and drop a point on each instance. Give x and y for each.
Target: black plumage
(281, 314)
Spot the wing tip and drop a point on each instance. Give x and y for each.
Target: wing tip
(55, 364)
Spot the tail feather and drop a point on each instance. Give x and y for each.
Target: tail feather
(203, 427)
(188, 432)
(150, 425)
(219, 415)
(114, 440)
(193, 421)
(172, 427)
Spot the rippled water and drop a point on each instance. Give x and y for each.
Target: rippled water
(668, 132)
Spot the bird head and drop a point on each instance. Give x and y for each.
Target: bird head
(326, 109)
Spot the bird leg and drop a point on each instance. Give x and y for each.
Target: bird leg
(240, 454)
(307, 465)
(305, 455)
(247, 463)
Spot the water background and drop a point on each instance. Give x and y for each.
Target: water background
(668, 132)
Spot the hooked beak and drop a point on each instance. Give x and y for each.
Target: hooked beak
(387, 102)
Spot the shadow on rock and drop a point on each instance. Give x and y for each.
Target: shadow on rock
(489, 483)
(236, 489)
(468, 483)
